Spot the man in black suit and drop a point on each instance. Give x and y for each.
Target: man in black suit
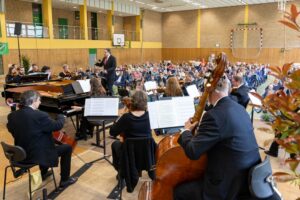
(225, 134)
(109, 62)
(240, 91)
(32, 130)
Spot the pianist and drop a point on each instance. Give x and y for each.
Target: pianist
(32, 130)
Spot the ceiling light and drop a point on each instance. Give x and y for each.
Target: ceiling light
(154, 7)
(242, 2)
(187, 1)
(196, 4)
(140, 2)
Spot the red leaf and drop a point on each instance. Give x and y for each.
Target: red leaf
(286, 68)
(289, 24)
(294, 12)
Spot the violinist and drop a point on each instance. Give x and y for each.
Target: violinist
(65, 74)
(97, 90)
(173, 88)
(32, 130)
(225, 134)
(11, 76)
(133, 124)
(34, 69)
(240, 90)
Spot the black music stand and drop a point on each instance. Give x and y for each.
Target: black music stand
(101, 121)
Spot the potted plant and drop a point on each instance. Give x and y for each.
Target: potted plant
(26, 63)
(284, 106)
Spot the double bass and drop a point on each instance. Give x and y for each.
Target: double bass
(173, 167)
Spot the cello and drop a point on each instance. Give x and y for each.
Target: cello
(59, 136)
(173, 167)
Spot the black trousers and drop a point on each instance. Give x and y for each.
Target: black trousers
(109, 84)
(64, 151)
(116, 149)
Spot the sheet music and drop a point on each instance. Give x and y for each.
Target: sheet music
(85, 85)
(170, 113)
(152, 110)
(101, 107)
(192, 91)
(185, 108)
(150, 85)
(254, 100)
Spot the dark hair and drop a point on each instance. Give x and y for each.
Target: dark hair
(29, 97)
(45, 68)
(108, 50)
(139, 101)
(10, 69)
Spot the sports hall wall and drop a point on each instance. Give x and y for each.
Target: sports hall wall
(177, 36)
(75, 52)
(181, 42)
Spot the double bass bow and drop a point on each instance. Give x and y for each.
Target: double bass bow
(173, 167)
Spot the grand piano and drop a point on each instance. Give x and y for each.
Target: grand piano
(56, 96)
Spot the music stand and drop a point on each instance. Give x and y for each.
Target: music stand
(98, 111)
(101, 121)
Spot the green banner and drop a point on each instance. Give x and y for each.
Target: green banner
(3, 48)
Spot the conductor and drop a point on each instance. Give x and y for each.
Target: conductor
(109, 63)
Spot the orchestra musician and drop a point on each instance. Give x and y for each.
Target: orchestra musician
(109, 62)
(173, 88)
(65, 74)
(32, 130)
(34, 69)
(11, 76)
(97, 90)
(132, 124)
(240, 90)
(225, 134)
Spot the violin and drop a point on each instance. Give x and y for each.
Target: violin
(173, 167)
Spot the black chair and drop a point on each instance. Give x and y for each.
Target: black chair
(138, 154)
(15, 155)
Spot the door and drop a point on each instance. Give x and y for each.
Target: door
(94, 26)
(37, 19)
(63, 28)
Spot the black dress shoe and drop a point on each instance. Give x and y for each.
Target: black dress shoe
(271, 154)
(45, 176)
(70, 181)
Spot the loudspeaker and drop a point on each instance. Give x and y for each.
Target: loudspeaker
(18, 28)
